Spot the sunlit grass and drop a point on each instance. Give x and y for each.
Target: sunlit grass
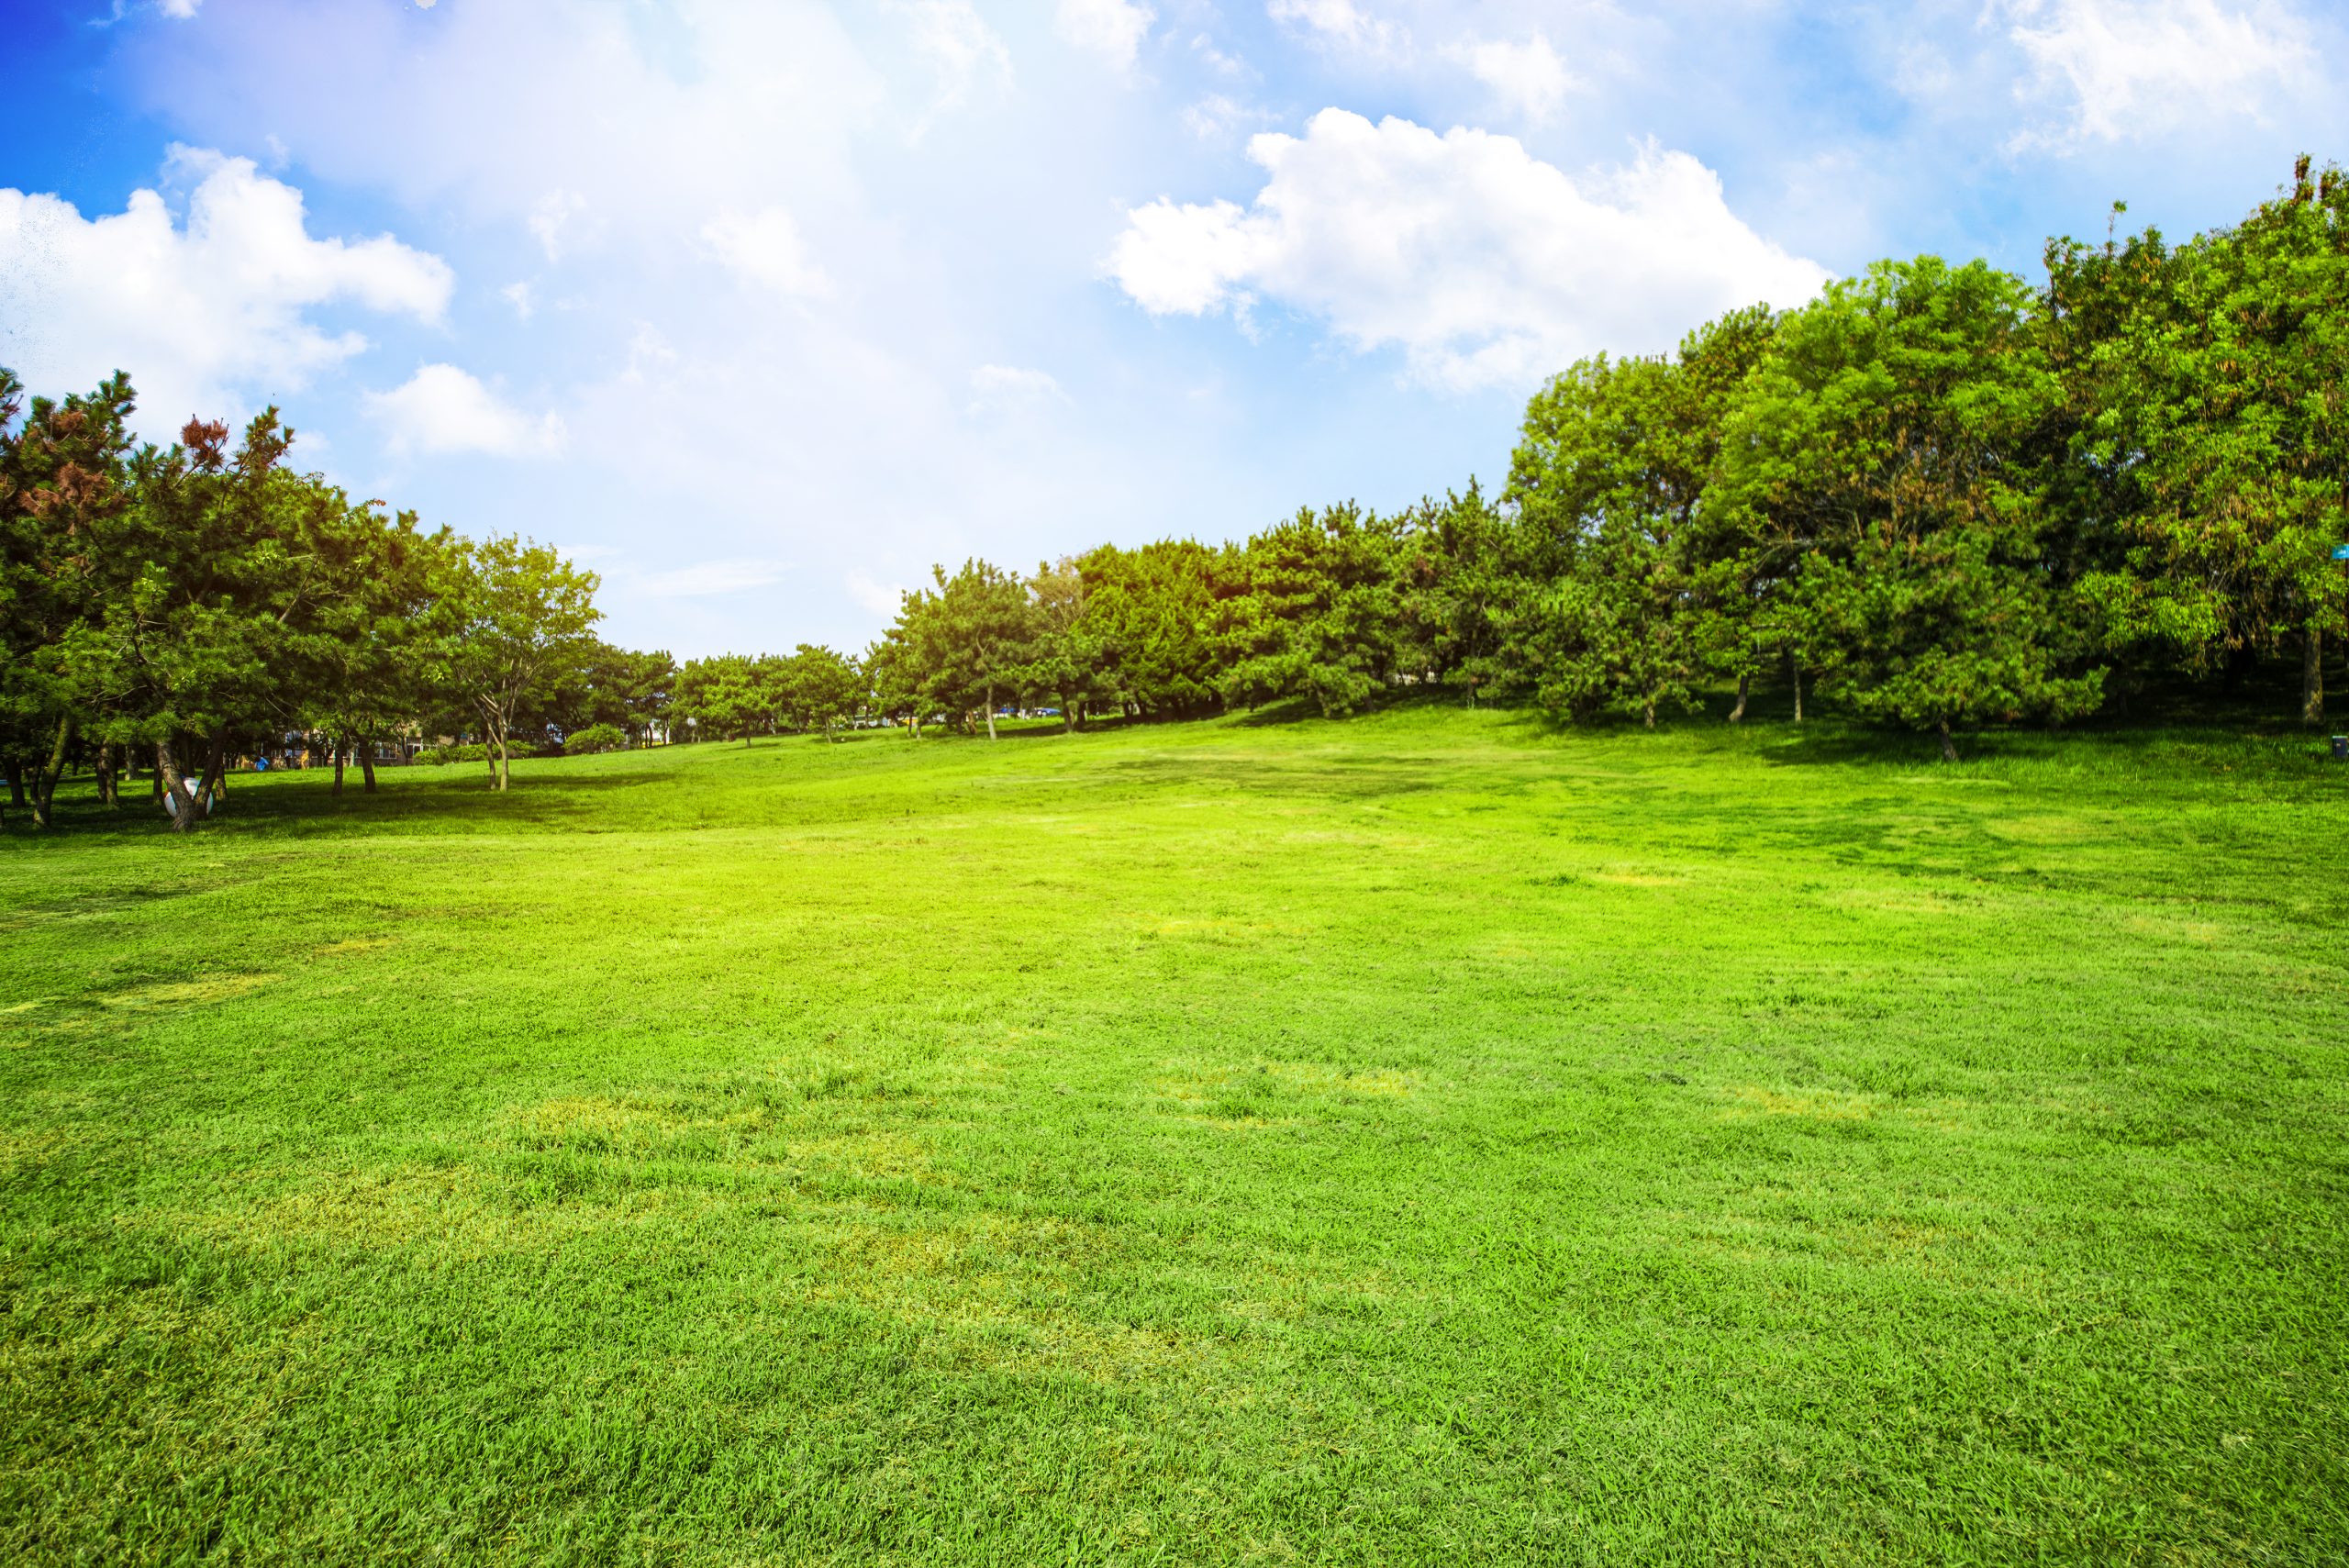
(1422, 1138)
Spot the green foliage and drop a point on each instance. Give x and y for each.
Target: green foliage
(594, 741)
(1313, 608)
(970, 643)
(440, 756)
(2212, 438)
(1900, 431)
(512, 615)
(1145, 619)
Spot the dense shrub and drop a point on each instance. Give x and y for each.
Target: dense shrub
(595, 738)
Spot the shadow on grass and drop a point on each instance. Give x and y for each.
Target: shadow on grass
(466, 801)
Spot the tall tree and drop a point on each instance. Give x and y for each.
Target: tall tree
(1315, 609)
(1903, 426)
(2216, 426)
(977, 634)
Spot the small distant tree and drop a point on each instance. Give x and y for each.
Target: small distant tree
(893, 681)
(979, 632)
(827, 690)
(1316, 610)
(724, 697)
(1068, 664)
(513, 613)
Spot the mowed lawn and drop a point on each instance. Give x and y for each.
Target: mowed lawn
(1425, 1139)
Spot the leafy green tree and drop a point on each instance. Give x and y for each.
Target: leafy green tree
(825, 690)
(1462, 593)
(1901, 427)
(1146, 617)
(63, 492)
(723, 698)
(1609, 476)
(2209, 378)
(1315, 610)
(514, 613)
(205, 616)
(974, 636)
(893, 681)
(364, 651)
(1068, 664)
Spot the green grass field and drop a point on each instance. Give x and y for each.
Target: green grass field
(1426, 1139)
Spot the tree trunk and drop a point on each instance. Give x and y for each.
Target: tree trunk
(1745, 684)
(1797, 674)
(1068, 717)
(45, 783)
(1949, 749)
(1647, 714)
(990, 713)
(337, 766)
(367, 767)
(109, 792)
(505, 763)
(2313, 677)
(213, 784)
(15, 784)
(175, 800)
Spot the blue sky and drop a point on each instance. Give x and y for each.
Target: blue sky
(760, 308)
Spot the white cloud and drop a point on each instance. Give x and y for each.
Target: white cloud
(551, 220)
(199, 312)
(1339, 22)
(181, 10)
(1217, 117)
(1217, 61)
(961, 49)
(764, 248)
(2132, 66)
(1012, 384)
(878, 599)
(1111, 28)
(442, 410)
(1528, 80)
(708, 579)
(522, 296)
(1485, 265)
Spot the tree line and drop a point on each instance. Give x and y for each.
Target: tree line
(1940, 494)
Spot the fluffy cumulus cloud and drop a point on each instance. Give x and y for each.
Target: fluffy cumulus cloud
(2129, 67)
(442, 410)
(1483, 265)
(203, 311)
(1111, 28)
(1527, 79)
(764, 248)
